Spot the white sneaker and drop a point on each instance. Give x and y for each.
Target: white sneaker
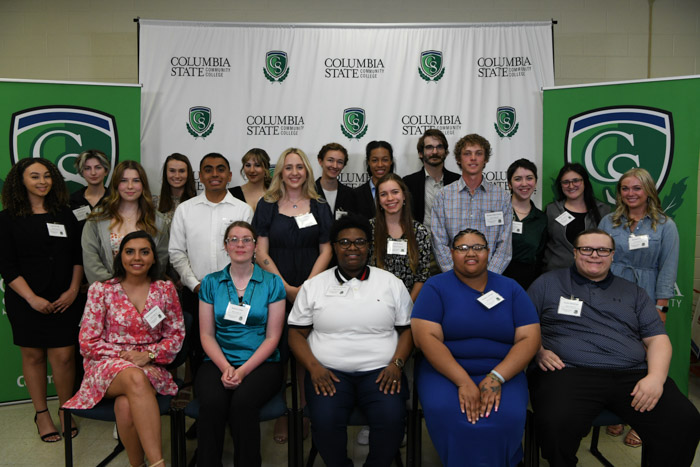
(115, 434)
(363, 436)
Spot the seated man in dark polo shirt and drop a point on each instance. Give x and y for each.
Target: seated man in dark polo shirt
(604, 346)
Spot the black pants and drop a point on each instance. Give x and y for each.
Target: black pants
(567, 401)
(190, 304)
(239, 407)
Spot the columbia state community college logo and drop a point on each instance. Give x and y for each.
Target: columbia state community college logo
(609, 141)
(60, 134)
(276, 67)
(431, 65)
(354, 124)
(199, 123)
(505, 125)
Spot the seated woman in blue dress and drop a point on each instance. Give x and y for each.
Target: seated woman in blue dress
(241, 315)
(478, 331)
(349, 328)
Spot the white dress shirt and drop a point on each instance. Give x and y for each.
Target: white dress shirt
(197, 236)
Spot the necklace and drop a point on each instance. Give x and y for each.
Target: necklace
(294, 203)
(246, 282)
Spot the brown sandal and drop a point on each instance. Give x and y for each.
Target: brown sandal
(632, 439)
(615, 430)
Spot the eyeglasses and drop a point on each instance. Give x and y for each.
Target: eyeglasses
(345, 243)
(573, 181)
(588, 251)
(476, 248)
(235, 240)
(430, 147)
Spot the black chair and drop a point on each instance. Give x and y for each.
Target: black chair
(104, 411)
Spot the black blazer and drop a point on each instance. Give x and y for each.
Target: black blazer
(416, 186)
(344, 200)
(364, 201)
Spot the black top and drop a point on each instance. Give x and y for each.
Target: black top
(416, 186)
(293, 250)
(364, 201)
(237, 193)
(344, 200)
(77, 200)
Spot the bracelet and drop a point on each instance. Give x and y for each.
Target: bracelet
(497, 376)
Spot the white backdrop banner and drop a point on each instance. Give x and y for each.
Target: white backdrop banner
(229, 87)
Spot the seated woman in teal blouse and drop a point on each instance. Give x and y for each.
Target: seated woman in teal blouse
(241, 316)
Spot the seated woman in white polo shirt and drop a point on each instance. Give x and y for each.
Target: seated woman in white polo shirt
(349, 328)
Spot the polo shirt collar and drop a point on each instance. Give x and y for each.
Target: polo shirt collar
(363, 276)
(225, 276)
(581, 280)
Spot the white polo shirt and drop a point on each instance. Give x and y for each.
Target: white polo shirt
(196, 245)
(353, 322)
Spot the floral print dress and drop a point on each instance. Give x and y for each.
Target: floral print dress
(111, 324)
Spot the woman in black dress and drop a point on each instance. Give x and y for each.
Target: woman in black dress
(293, 226)
(256, 169)
(41, 263)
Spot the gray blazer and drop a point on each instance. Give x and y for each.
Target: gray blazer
(98, 260)
(559, 252)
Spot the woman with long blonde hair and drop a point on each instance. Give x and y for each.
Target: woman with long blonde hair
(646, 248)
(293, 226)
(127, 208)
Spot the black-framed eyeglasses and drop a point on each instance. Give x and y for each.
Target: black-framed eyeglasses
(588, 251)
(345, 243)
(573, 181)
(478, 247)
(236, 240)
(430, 147)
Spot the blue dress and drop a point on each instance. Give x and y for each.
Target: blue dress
(479, 339)
(654, 268)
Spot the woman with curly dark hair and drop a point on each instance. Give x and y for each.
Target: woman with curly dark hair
(41, 264)
(127, 208)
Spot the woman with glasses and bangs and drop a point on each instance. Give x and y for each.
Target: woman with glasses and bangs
(574, 211)
(478, 330)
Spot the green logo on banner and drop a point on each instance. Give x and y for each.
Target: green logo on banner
(276, 66)
(60, 134)
(505, 122)
(431, 66)
(200, 124)
(354, 124)
(610, 141)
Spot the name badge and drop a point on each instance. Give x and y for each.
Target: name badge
(305, 220)
(337, 291)
(56, 230)
(397, 247)
(82, 212)
(490, 299)
(237, 313)
(339, 213)
(154, 316)
(517, 227)
(493, 218)
(638, 241)
(564, 218)
(569, 307)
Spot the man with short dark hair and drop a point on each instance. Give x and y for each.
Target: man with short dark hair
(604, 347)
(472, 202)
(432, 177)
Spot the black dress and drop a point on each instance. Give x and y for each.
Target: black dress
(293, 250)
(46, 263)
(237, 192)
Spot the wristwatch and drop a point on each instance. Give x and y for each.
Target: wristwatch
(399, 363)
(151, 357)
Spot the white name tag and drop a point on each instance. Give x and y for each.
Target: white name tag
(154, 316)
(397, 247)
(82, 212)
(305, 220)
(569, 307)
(638, 241)
(490, 299)
(564, 218)
(517, 227)
(56, 230)
(237, 313)
(493, 218)
(339, 214)
(337, 291)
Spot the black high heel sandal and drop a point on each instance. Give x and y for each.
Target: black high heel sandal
(45, 438)
(74, 430)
